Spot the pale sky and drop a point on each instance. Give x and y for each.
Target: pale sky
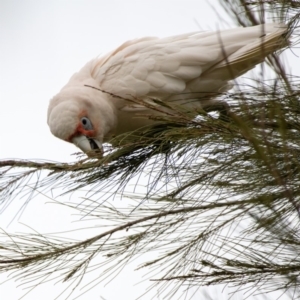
(42, 44)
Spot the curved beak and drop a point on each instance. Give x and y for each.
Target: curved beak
(90, 146)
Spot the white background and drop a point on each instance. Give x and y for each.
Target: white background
(42, 44)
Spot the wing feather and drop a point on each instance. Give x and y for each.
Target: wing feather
(188, 63)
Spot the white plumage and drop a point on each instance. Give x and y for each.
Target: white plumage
(187, 69)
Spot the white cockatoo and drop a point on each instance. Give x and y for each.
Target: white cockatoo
(188, 69)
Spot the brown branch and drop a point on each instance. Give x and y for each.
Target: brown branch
(90, 241)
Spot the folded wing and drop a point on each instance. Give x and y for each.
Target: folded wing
(186, 66)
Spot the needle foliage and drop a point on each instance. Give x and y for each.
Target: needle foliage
(219, 202)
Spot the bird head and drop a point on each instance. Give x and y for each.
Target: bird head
(76, 116)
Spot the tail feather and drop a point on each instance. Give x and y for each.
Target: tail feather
(273, 37)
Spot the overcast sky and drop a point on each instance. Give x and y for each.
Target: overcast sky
(42, 44)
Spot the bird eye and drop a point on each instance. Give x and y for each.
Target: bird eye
(87, 124)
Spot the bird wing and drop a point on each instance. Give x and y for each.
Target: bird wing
(185, 64)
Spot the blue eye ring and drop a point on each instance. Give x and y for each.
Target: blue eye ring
(87, 124)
